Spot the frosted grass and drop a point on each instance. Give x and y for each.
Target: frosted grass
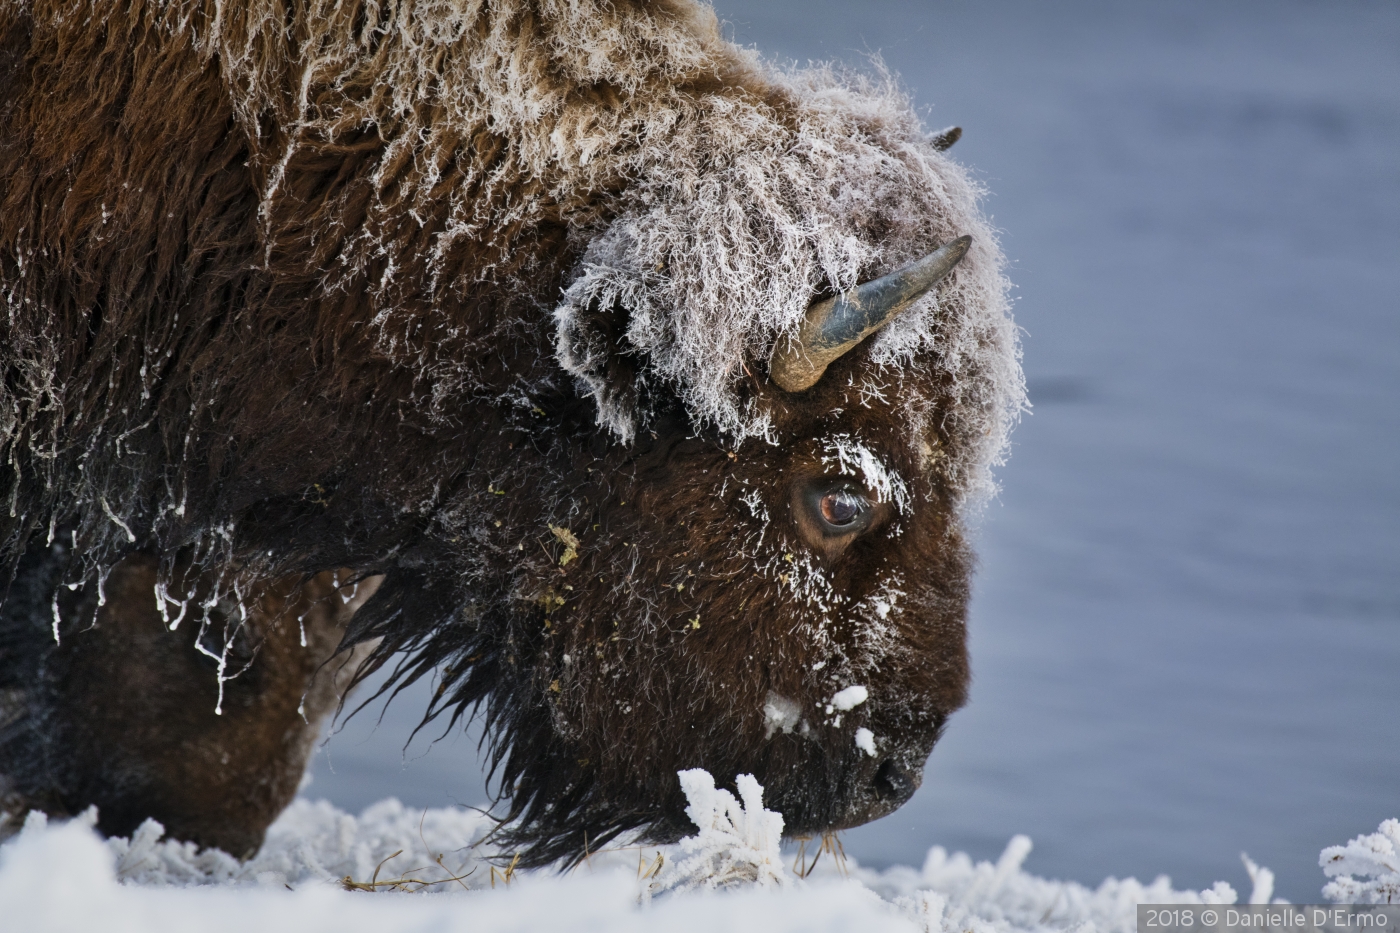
(436, 869)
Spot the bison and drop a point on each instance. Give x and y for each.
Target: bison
(636, 389)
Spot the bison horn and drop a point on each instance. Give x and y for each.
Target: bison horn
(945, 138)
(834, 325)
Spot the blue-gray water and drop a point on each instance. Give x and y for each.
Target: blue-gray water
(1186, 628)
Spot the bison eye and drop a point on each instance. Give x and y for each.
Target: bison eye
(832, 512)
(842, 507)
(838, 507)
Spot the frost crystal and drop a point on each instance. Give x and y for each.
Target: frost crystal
(1377, 856)
(756, 507)
(316, 843)
(1262, 878)
(737, 843)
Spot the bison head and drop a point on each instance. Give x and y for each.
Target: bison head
(790, 606)
(758, 564)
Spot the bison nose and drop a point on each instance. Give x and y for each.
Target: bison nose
(894, 784)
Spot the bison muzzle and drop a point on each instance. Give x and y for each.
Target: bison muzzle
(633, 388)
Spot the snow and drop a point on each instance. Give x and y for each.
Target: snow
(865, 741)
(850, 698)
(1376, 855)
(393, 869)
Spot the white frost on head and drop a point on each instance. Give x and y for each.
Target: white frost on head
(756, 507)
(865, 741)
(738, 211)
(780, 714)
(850, 698)
(852, 457)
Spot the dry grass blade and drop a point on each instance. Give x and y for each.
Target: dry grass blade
(831, 844)
(406, 884)
(438, 858)
(403, 883)
(506, 874)
(652, 869)
(801, 867)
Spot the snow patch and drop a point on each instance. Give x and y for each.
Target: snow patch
(865, 741)
(844, 701)
(313, 842)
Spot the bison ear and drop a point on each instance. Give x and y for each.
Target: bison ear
(592, 345)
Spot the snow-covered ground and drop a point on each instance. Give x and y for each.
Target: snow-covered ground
(394, 869)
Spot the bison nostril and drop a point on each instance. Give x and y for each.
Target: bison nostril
(893, 782)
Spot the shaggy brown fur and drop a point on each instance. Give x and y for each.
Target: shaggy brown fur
(281, 294)
(128, 716)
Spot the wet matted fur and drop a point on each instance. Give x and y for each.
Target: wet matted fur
(479, 297)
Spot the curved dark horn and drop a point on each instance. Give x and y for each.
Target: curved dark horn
(834, 325)
(946, 137)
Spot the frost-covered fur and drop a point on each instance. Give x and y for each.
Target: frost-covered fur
(737, 209)
(740, 215)
(706, 219)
